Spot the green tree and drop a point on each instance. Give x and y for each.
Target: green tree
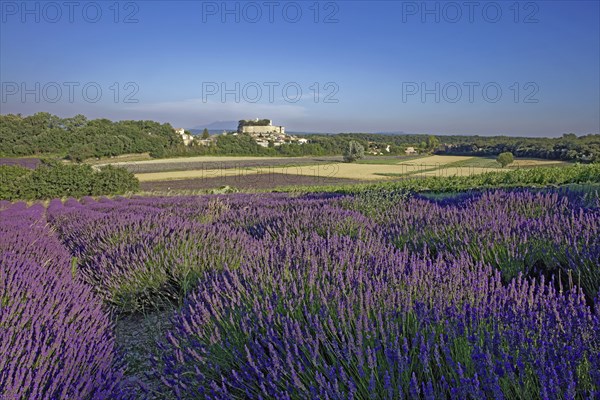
(354, 151)
(79, 152)
(505, 159)
(74, 123)
(205, 134)
(432, 142)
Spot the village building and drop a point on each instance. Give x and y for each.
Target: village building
(186, 137)
(266, 134)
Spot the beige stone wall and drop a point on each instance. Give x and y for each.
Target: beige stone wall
(263, 129)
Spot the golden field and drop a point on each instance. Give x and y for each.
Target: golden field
(427, 166)
(193, 174)
(437, 160)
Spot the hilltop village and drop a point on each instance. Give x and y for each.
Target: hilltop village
(263, 132)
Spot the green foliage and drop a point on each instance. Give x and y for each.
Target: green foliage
(432, 143)
(354, 151)
(205, 134)
(79, 138)
(569, 147)
(80, 152)
(505, 159)
(114, 180)
(260, 122)
(240, 145)
(370, 202)
(55, 179)
(10, 176)
(160, 153)
(534, 177)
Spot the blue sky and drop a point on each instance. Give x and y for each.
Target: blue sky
(514, 68)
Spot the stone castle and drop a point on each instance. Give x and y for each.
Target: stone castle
(263, 126)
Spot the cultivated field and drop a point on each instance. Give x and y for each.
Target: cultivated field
(437, 160)
(195, 174)
(26, 162)
(339, 170)
(210, 163)
(121, 159)
(371, 295)
(246, 182)
(371, 169)
(185, 160)
(536, 163)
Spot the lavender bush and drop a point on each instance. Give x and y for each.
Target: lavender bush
(332, 318)
(538, 234)
(55, 339)
(140, 257)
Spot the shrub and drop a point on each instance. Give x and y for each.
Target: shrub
(114, 180)
(141, 260)
(55, 179)
(354, 151)
(505, 159)
(10, 175)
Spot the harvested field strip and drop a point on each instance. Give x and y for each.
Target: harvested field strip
(248, 182)
(437, 160)
(208, 163)
(194, 174)
(324, 171)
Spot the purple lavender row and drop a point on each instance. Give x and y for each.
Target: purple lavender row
(502, 335)
(143, 257)
(541, 234)
(537, 234)
(336, 318)
(56, 341)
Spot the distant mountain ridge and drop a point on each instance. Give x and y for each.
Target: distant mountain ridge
(217, 125)
(196, 132)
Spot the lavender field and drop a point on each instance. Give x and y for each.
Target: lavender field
(378, 295)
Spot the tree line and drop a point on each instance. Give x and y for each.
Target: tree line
(568, 147)
(78, 138)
